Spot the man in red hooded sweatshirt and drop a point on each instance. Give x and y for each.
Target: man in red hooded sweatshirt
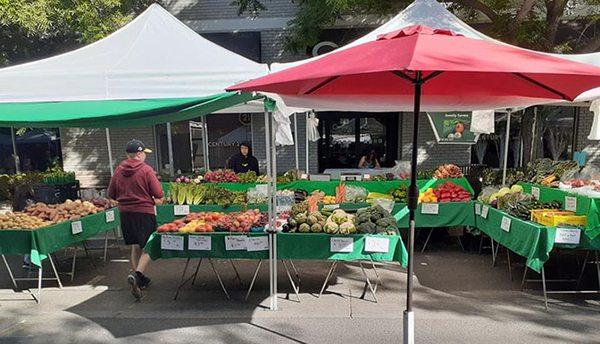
(135, 186)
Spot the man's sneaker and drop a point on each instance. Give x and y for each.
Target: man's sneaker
(144, 282)
(134, 282)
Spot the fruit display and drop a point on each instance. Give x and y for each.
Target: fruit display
(447, 171)
(450, 192)
(206, 222)
(401, 194)
(55, 213)
(103, 203)
(195, 194)
(490, 195)
(221, 176)
(247, 177)
(21, 221)
(339, 222)
(375, 220)
(288, 177)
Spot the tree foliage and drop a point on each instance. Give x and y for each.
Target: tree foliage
(32, 29)
(532, 24)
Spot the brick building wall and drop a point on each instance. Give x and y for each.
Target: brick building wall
(592, 148)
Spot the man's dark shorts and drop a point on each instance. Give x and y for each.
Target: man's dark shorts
(137, 228)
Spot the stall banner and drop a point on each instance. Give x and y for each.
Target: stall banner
(452, 127)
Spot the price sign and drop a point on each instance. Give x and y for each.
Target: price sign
(262, 188)
(567, 236)
(477, 209)
(259, 243)
(76, 227)
(571, 203)
(505, 224)
(366, 176)
(376, 244)
(283, 208)
(304, 176)
(110, 216)
(236, 243)
(535, 191)
(430, 208)
(331, 206)
(484, 211)
(181, 210)
(171, 242)
(345, 245)
(199, 243)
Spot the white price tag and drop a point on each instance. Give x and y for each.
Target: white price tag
(567, 236)
(505, 224)
(181, 210)
(155, 211)
(199, 243)
(262, 188)
(171, 242)
(283, 208)
(535, 191)
(345, 245)
(484, 211)
(110, 216)
(477, 209)
(258, 243)
(571, 203)
(376, 244)
(236, 243)
(366, 176)
(331, 206)
(304, 176)
(430, 208)
(76, 227)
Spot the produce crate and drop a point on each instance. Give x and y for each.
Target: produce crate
(56, 193)
(554, 218)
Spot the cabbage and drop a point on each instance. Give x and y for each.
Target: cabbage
(516, 188)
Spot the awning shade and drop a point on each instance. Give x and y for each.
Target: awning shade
(114, 113)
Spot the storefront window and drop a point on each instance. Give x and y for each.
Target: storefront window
(346, 137)
(225, 133)
(38, 149)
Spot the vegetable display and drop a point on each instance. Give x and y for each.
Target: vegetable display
(104, 203)
(55, 213)
(221, 176)
(375, 220)
(400, 194)
(247, 177)
(195, 194)
(450, 192)
(21, 221)
(447, 171)
(206, 222)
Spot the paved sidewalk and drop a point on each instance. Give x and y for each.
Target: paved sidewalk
(459, 298)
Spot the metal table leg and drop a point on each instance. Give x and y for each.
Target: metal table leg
(237, 275)
(182, 280)
(329, 274)
(296, 272)
(196, 272)
(427, 240)
(73, 264)
(39, 293)
(253, 279)
(219, 278)
(509, 266)
(524, 275)
(493, 254)
(55, 271)
(12, 277)
(544, 288)
(296, 289)
(368, 282)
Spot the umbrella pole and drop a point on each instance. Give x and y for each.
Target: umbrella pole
(15, 155)
(506, 142)
(205, 143)
(413, 196)
(296, 140)
(306, 142)
(170, 147)
(110, 157)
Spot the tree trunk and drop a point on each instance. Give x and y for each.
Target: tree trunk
(527, 123)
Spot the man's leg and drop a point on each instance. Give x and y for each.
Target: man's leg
(143, 262)
(135, 256)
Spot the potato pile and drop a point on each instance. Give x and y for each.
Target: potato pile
(55, 213)
(21, 221)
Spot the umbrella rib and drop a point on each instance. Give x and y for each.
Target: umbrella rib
(546, 87)
(403, 76)
(431, 76)
(321, 84)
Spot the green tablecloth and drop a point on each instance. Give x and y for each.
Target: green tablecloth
(585, 205)
(450, 214)
(153, 248)
(525, 238)
(298, 246)
(41, 242)
(312, 246)
(384, 186)
(165, 212)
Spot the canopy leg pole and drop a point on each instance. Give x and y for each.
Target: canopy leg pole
(110, 156)
(506, 142)
(413, 196)
(170, 147)
(269, 205)
(306, 143)
(15, 154)
(275, 211)
(205, 142)
(296, 140)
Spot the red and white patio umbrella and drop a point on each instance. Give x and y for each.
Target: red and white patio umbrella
(427, 69)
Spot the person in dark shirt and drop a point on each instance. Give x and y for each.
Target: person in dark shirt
(244, 161)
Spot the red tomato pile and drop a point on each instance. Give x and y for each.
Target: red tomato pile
(450, 192)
